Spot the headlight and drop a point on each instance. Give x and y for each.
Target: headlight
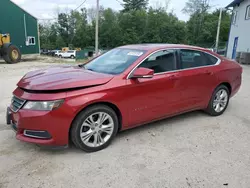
(43, 105)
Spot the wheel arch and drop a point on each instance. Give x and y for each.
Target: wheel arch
(208, 106)
(109, 104)
(228, 85)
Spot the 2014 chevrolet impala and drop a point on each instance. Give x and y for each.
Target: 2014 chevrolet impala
(123, 88)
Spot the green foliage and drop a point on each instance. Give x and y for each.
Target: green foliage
(132, 5)
(202, 28)
(136, 25)
(60, 42)
(48, 36)
(202, 25)
(196, 6)
(109, 29)
(63, 27)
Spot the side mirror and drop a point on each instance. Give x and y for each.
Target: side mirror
(143, 73)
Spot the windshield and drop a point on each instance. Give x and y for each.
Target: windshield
(114, 61)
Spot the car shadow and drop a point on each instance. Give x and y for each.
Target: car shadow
(124, 135)
(161, 123)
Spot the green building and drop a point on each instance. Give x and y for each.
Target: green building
(22, 27)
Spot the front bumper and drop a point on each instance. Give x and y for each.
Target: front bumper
(9, 120)
(41, 127)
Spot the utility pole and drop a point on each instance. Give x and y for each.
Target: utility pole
(218, 32)
(96, 28)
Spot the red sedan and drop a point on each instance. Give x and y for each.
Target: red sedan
(123, 88)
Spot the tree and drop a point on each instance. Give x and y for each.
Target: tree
(135, 25)
(207, 34)
(131, 5)
(63, 27)
(197, 9)
(109, 29)
(60, 42)
(84, 32)
(196, 6)
(48, 34)
(43, 30)
(164, 27)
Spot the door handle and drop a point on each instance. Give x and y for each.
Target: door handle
(173, 77)
(209, 72)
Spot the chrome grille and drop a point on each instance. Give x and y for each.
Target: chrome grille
(16, 103)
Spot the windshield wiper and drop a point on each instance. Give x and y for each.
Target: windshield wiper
(81, 65)
(90, 70)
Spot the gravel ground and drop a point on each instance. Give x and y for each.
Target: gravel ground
(191, 150)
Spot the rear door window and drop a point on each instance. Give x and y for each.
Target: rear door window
(193, 58)
(211, 60)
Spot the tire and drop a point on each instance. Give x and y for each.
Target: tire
(60, 56)
(12, 54)
(211, 109)
(72, 57)
(82, 118)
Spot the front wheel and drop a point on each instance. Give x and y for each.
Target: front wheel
(94, 128)
(219, 101)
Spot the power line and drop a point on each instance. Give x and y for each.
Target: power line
(119, 2)
(80, 5)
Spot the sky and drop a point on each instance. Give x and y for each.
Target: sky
(47, 9)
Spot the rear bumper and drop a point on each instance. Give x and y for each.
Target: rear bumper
(40, 127)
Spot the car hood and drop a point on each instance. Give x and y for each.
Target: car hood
(58, 78)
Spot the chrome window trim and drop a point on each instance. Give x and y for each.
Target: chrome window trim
(218, 61)
(32, 136)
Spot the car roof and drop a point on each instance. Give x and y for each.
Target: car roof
(153, 47)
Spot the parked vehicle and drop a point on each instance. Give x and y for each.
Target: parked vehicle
(121, 89)
(68, 54)
(44, 52)
(53, 53)
(8, 51)
(57, 52)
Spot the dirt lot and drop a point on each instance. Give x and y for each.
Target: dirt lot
(191, 150)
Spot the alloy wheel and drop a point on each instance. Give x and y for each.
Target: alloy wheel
(220, 100)
(97, 129)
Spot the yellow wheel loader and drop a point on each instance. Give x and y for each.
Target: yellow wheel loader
(9, 52)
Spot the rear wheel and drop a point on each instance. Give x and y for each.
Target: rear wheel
(219, 101)
(12, 54)
(72, 57)
(94, 128)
